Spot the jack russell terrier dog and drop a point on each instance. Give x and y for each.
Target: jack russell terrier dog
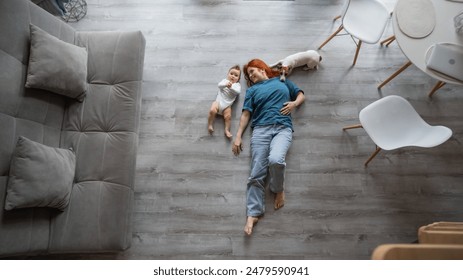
(309, 59)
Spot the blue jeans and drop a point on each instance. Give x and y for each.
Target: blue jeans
(269, 145)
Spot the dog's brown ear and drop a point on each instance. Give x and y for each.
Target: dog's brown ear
(276, 66)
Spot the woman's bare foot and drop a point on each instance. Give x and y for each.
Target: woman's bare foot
(211, 129)
(250, 222)
(228, 134)
(279, 200)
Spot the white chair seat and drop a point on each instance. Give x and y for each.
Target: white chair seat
(392, 123)
(366, 20)
(436, 135)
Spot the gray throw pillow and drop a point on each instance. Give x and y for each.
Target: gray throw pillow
(56, 66)
(40, 176)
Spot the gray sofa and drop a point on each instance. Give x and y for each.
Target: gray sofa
(101, 129)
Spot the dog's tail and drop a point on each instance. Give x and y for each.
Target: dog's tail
(314, 53)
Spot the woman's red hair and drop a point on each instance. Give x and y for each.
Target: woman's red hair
(257, 63)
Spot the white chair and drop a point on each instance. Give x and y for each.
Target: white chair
(392, 123)
(364, 20)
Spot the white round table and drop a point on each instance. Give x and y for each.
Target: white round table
(415, 49)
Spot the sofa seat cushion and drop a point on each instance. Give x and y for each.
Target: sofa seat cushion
(103, 131)
(23, 231)
(114, 57)
(98, 218)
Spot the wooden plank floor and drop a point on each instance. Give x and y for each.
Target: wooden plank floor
(190, 189)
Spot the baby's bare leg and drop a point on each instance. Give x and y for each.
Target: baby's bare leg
(212, 113)
(227, 120)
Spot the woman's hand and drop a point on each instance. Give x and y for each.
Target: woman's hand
(288, 107)
(244, 120)
(237, 146)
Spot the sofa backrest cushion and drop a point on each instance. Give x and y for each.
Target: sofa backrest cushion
(33, 113)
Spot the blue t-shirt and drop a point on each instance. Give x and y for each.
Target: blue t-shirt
(265, 99)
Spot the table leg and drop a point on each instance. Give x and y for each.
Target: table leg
(438, 85)
(405, 66)
(357, 51)
(388, 40)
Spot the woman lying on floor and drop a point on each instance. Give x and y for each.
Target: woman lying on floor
(267, 105)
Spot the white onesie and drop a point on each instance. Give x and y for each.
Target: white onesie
(227, 95)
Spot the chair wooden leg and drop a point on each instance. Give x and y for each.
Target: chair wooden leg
(357, 52)
(391, 40)
(337, 17)
(331, 36)
(388, 41)
(352, 126)
(405, 66)
(378, 149)
(438, 85)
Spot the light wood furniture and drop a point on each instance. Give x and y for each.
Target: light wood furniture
(418, 252)
(437, 241)
(441, 233)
